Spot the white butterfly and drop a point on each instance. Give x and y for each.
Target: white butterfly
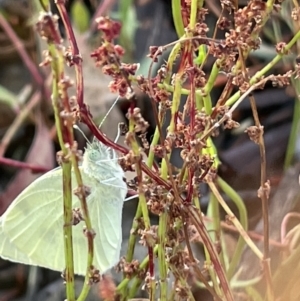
(31, 230)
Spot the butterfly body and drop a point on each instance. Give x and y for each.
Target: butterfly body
(31, 230)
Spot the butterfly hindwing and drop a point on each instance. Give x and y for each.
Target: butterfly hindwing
(108, 204)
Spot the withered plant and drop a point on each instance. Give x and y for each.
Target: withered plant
(171, 193)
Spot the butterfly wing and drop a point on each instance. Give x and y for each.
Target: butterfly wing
(33, 223)
(9, 252)
(31, 230)
(106, 213)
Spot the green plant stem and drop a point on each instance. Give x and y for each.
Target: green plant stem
(77, 61)
(142, 200)
(235, 221)
(254, 79)
(171, 61)
(213, 228)
(124, 38)
(131, 247)
(213, 212)
(184, 284)
(136, 282)
(162, 234)
(266, 69)
(195, 4)
(212, 274)
(231, 193)
(67, 231)
(177, 18)
(154, 142)
(162, 230)
(290, 151)
(44, 4)
(57, 70)
(175, 103)
(89, 230)
(209, 86)
(132, 237)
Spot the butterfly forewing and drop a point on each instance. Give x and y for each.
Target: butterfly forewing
(108, 239)
(31, 230)
(33, 221)
(9, 252)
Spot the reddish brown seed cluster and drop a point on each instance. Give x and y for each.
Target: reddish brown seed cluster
(94, 276)
(109, 57)
(130, 269)
(110, 29)
(47, 27)
(255, 133)
(77, 216)
(171, 194)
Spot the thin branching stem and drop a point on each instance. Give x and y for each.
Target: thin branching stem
(235, 221)
(212, 253)
(230, 192)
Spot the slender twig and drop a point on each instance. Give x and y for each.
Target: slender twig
(235, 221)
(22, 52)
(284, 223)
(14, 127)
(264, 190)
(244, 222)
(75, 57)
(26, 110)
(197, 270)
(212, 252)
(18, 164)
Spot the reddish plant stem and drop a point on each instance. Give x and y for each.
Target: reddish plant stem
(185, 18)
(264, 186)
(151, 262)
(18, 164)
(86, 118)
(192, 112)
(75, 59)
(196, 268)
(195, 217)
(161, 49)
(22, 52)
(224, 96)
(189, 196)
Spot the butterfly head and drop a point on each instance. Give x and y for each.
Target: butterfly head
(97, 152)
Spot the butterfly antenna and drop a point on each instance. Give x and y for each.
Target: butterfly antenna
(76, 127)
(108, 112)
(118, 133)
